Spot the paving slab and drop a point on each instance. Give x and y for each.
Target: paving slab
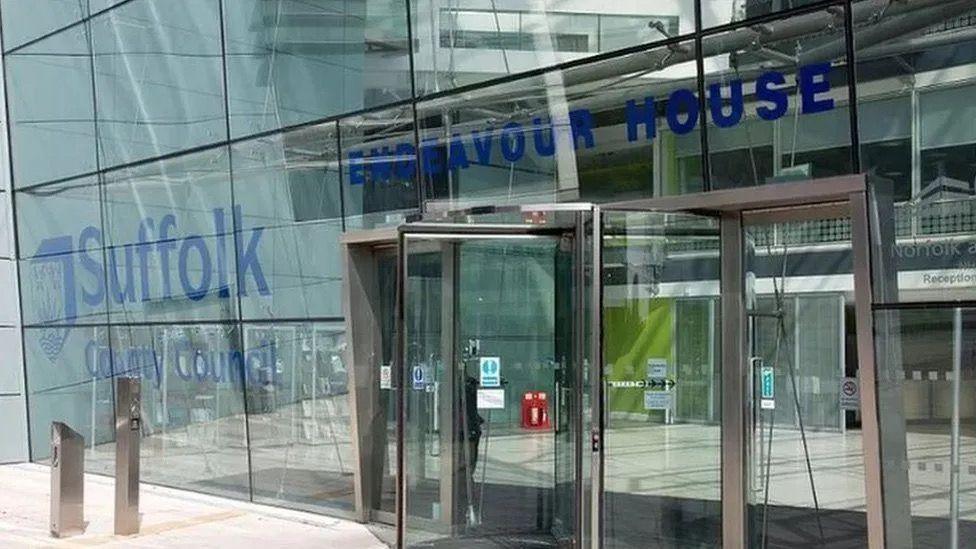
(170, 518)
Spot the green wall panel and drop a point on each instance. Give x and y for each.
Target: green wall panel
(637, 331)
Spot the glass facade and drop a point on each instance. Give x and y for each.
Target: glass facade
(184, 172)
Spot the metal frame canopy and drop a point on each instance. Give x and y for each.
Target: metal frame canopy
(734, 209)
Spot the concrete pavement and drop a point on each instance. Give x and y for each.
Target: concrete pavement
(170, 518)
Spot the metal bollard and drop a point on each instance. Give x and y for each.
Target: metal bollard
(67, 481)
(128, 426)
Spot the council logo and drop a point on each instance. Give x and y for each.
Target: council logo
(71, 277)
(47, 295)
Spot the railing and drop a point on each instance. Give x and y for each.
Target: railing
(913, 221)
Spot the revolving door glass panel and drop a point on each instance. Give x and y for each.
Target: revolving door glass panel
(489, 370)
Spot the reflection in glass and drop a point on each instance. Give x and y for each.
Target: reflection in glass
(25, 20)
(806, 473)
(62, 269)
(662, 441)
(384, 474)
(606, 131)
(158, 78)
(886, 147)
(301, 445)
(915, 98)
(457, 46)
(722, 12)
(193, 382)
(787, 81)
(52, 114)
(504, 303)
(69, 379)
(50, 215)
(298, 60)
(287, 187)
(64, 288)
(379, 162)
(170, 241)
(423, 324)
(926, 389)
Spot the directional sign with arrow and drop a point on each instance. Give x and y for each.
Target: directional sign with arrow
(666, 384)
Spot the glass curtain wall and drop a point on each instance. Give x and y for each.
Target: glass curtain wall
(180, 235)
(924, 317)
(183, 170)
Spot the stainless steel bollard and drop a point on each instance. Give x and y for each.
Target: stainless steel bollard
(128, 425)
(67, 481)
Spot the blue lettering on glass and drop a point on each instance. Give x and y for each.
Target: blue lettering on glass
(247, 260)
(406, 166)
(682, 100)
(544, 146)
(513, 142)
(119, 293)
(581, 124)
(380, 171)
(195, 293)
(141, 271)
(220, 227)
(258, 365)
(813, 80)
(766, 93)
(143, 249)
(429, 157)
(717, 107)
(457, 157)
(355, 168)
(164, 246)
(682, 114)
(637, 116)
(91, 266)
(482, 145)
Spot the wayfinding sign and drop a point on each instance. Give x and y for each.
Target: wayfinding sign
(419, 381)
(850, 394)
(491, 371)
(766, 384)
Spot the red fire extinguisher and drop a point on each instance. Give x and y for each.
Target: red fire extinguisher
(535, 411)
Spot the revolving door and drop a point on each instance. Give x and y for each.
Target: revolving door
(625, 375)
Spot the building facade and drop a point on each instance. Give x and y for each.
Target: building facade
(186, 182)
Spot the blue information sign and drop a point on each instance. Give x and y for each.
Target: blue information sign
(491, 371)
(766, 383)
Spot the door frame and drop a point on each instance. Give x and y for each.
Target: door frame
(450, 230)
(836, 197)
(849, 197)
(361, 252)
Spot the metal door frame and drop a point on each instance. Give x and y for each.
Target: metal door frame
(836, 197)
(450, 230)
(361, 310)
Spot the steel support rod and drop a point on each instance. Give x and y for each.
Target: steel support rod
(954, 458)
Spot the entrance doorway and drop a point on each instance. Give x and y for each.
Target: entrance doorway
(644, 373)
(492, 354)
(724, 416)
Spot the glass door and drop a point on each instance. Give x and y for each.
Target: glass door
(491, 400)
(661, 383)
(807, 469)
(736, 355)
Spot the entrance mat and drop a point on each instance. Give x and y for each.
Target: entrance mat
(306, 487)
(510, 513)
